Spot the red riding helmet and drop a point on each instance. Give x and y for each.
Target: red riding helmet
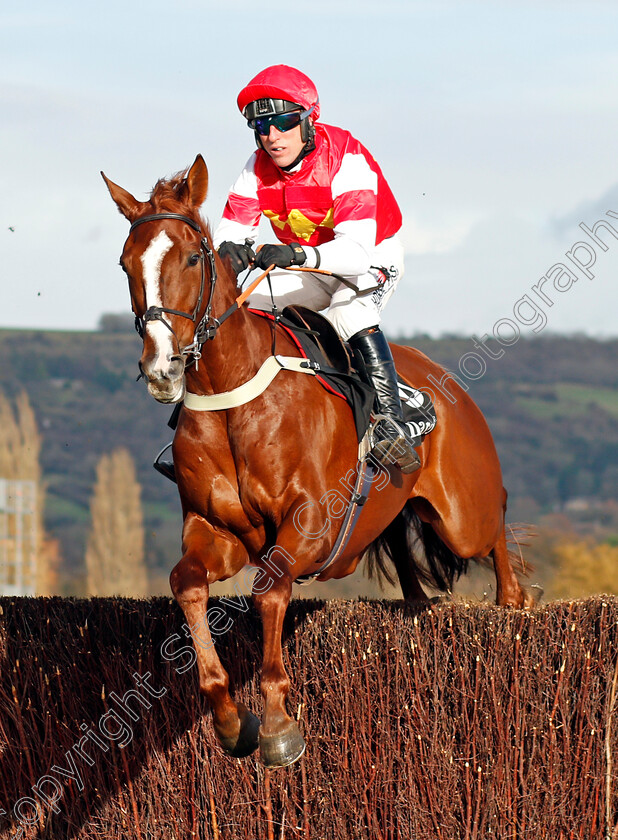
(286, 84)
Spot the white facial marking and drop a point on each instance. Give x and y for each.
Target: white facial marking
(152, 259)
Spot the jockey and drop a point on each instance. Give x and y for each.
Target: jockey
(331, 208)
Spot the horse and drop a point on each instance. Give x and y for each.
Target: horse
(257, 482)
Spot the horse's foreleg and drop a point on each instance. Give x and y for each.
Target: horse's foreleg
(509, 591)
(280, 740)
(235, 725)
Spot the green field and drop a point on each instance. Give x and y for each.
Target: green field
(567, 399)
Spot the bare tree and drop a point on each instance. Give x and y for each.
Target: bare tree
(20, 450)
(10, 441)
(115, 550)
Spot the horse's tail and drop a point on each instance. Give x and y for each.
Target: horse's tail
(519, 536)
(414, 544)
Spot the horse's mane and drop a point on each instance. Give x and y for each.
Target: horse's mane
(171, 189)
(169, 195)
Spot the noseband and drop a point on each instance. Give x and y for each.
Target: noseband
(207, 327)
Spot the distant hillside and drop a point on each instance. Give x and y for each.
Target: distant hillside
(552, 405)
(551, 402)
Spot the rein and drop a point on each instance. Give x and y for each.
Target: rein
(206, 328)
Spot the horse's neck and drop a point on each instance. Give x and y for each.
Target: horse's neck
(232, 357)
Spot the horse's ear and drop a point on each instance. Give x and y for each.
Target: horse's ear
(129, 206)
(197, 182)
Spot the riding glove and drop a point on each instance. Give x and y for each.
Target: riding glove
(240, 256)
(280, 255)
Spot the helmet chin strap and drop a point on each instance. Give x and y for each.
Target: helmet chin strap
(306, 150)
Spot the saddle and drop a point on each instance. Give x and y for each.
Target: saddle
(321, 343)
(320, 330)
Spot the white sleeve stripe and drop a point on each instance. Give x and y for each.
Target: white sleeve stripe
(343, 255)
(350, 252)
(362, 231)
(246, 183)
(354, 174)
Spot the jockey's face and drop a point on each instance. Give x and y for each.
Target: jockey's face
(282, 146)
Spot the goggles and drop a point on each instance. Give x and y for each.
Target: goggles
(282, 122)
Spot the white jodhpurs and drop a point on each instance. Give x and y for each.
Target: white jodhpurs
(347, 309)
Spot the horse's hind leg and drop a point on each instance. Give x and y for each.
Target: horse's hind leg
(509, 592)
(396, 537)
(409, 582)
(236, 727)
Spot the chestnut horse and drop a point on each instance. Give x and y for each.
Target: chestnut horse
(247, 476)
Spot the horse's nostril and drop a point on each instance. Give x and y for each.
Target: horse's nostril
(176, 366)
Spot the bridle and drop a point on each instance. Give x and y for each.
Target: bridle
(207, 326)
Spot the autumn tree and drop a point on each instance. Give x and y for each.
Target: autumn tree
(20, 450)
(115, 550)
(585, 568)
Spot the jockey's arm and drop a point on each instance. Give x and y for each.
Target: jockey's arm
(348, 253)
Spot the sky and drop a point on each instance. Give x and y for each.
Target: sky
(494, 122)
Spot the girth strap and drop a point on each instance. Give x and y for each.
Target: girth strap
(366, 473)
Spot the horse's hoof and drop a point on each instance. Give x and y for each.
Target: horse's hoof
(527, 598)
(532, 596)
(246, 742)
(283, 748)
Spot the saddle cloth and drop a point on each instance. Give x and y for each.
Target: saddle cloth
(317, 341)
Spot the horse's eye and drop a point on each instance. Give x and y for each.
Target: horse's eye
(194, 259)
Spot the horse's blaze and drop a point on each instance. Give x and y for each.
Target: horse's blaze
(160, 363)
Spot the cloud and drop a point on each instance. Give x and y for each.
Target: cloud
(483, 279)
(586, 211)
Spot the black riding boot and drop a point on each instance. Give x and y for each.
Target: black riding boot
(376, 364)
